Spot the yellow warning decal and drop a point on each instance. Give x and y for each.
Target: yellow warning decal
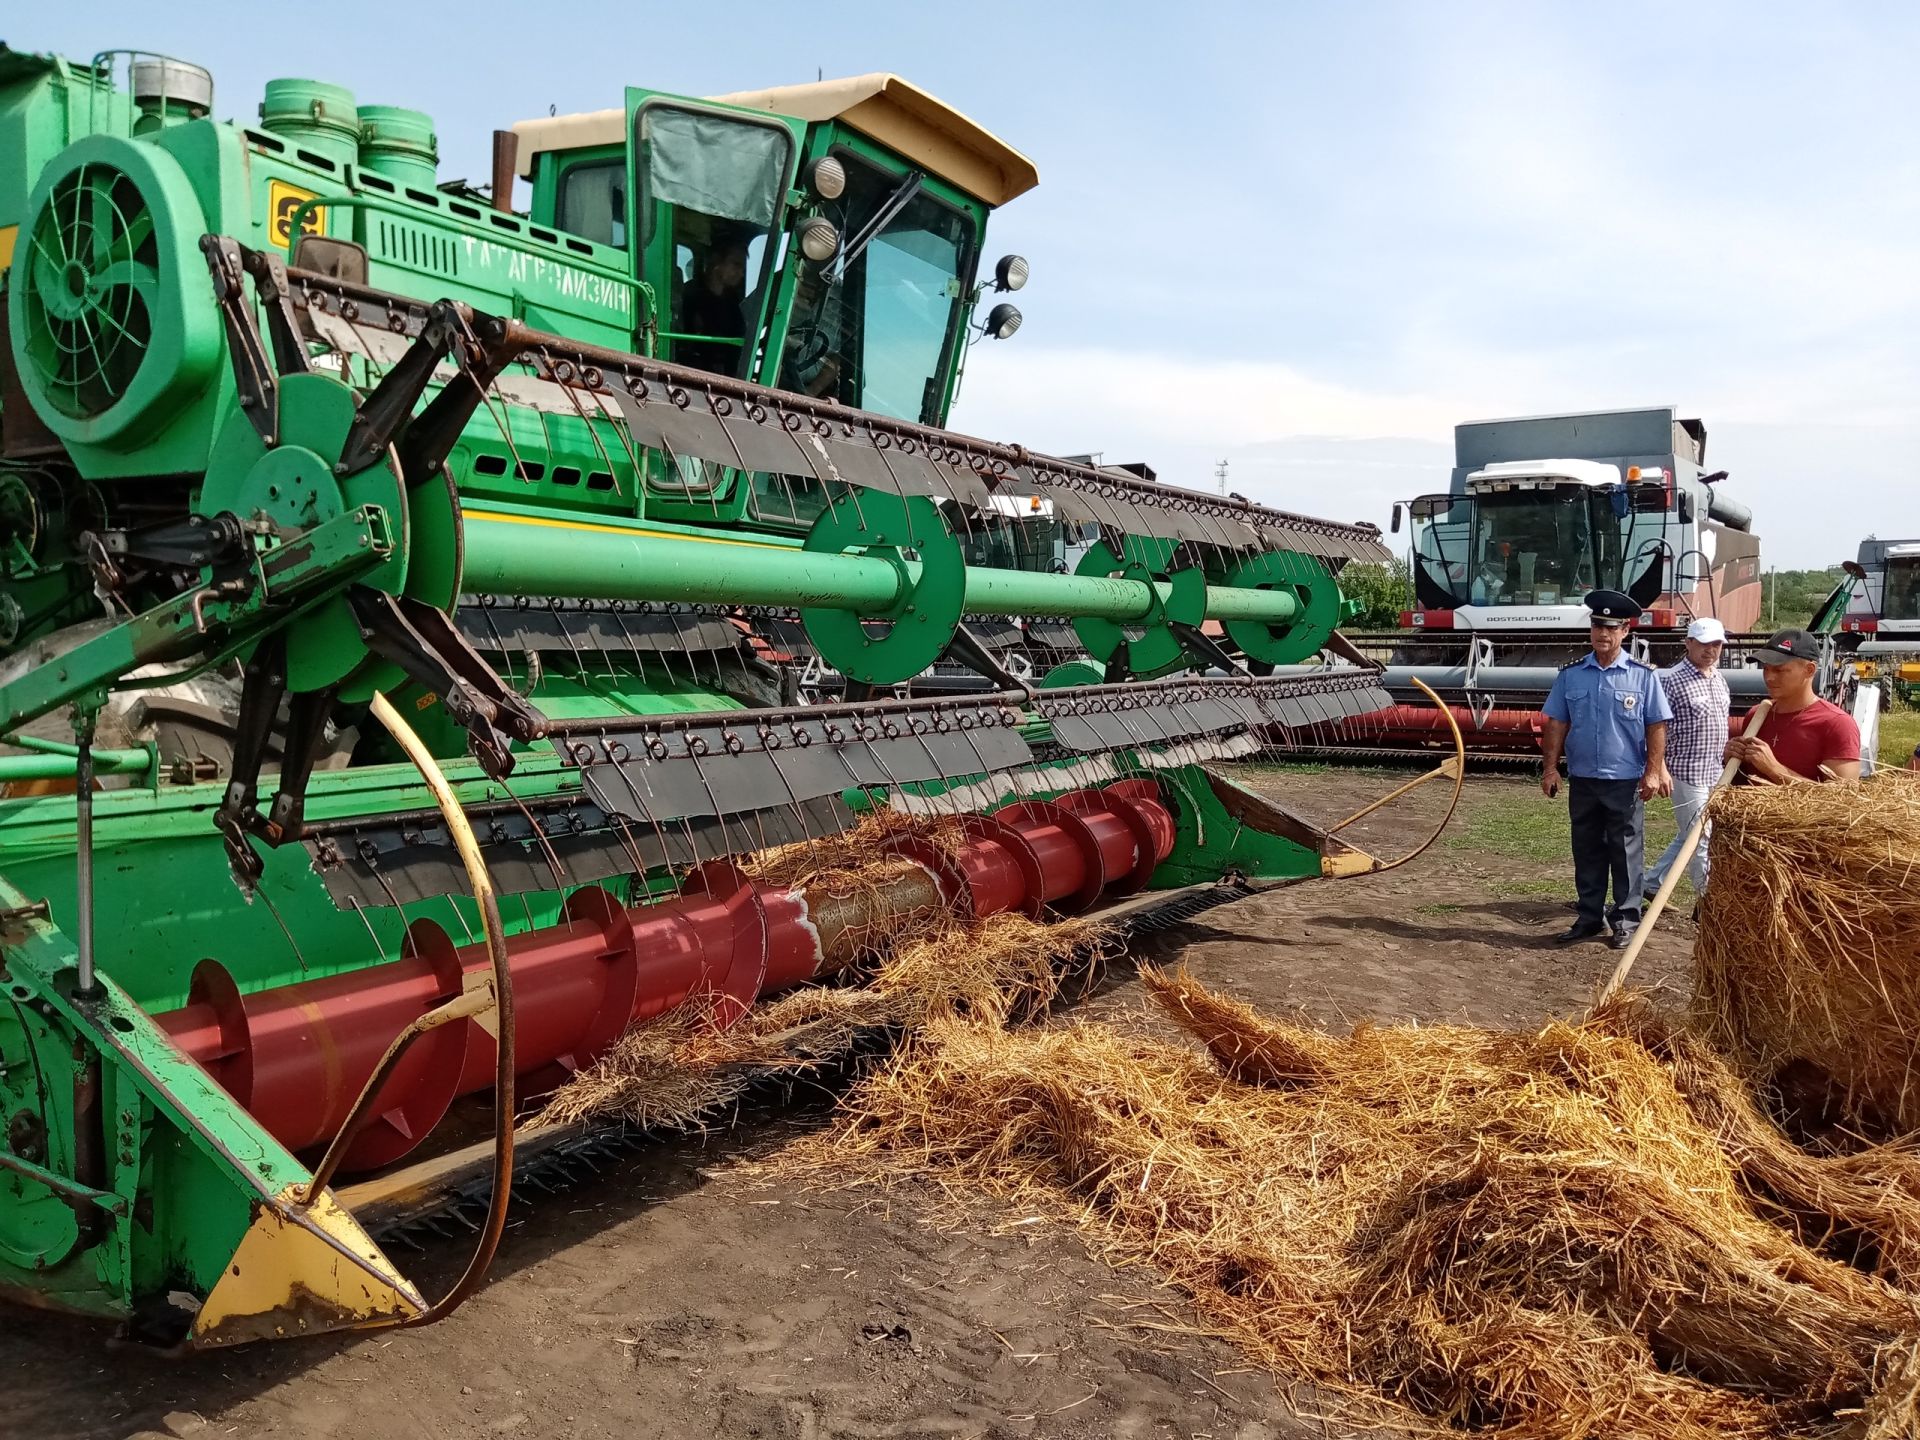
(8, 234)
(282, 201)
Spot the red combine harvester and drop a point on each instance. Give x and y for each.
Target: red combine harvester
(1541, 511)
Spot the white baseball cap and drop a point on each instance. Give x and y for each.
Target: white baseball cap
(1707, 630)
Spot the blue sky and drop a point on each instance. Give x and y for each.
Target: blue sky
(1309, 238)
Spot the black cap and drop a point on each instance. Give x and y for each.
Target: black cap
(1612, 607)
(1788, 645)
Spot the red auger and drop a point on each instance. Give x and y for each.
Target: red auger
(297, 1056)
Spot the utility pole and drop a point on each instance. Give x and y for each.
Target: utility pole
(1220, 475)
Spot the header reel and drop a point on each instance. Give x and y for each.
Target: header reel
(333, 551)
(879, 581)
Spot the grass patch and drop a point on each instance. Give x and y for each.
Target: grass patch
(1523, 825)
(1533, 889)
(1438, 909)
(1899, 733)
(1660, 828)
(1280, 765)
(1516, 824)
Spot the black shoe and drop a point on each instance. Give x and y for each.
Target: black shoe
(1622, 934)
(1582, 930)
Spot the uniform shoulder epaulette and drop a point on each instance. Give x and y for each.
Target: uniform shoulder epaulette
(1644, 665)
(1571, 663)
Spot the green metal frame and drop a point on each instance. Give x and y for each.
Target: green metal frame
(1210, 842)
(208, 626)
(181, 1181)
(184, 1172)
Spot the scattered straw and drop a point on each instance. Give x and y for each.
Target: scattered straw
(852, 850)
(1585, 1231)
(1592, 1230)
(1807, 971)
(667, 1072)
(683, 1066)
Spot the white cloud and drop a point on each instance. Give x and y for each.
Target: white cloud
(1290, 440)
(1347, 453)
(1092, 398)
(1818, 490)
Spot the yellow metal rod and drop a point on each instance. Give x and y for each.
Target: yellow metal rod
(489, 904)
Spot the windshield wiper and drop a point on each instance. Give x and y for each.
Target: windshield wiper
(896, 202)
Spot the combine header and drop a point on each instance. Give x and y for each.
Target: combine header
(395, 603)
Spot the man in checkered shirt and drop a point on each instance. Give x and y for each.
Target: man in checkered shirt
(1696, 738)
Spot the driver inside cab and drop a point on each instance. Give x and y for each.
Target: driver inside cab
(713, 309)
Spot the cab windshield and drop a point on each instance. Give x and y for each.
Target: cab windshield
(1544, 546)
(1033, 542)
(873, 327)
(1902, 598)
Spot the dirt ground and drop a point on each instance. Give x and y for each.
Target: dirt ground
(678, 1294)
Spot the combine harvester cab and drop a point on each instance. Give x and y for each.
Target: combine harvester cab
(1541, 511)
(392, 682)
(1885, 615)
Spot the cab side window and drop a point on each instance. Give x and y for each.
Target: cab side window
(593, 202)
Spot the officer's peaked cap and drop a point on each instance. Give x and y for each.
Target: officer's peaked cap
(1612, 607)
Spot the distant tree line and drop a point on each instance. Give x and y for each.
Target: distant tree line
(1789, 597)
(1384, 591)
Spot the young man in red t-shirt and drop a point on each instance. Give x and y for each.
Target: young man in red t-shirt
(1804, 737)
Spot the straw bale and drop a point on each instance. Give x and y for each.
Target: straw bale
(1583, 1231)
(1894, 1411)
(1807, 970)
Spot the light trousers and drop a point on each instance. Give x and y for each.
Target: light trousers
(1687, 802)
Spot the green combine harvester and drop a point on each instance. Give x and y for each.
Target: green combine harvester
(413, 610)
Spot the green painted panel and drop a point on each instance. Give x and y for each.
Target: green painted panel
(201, 1162)
(1209, 842)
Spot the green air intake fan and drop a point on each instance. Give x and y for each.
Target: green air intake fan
(113, 319)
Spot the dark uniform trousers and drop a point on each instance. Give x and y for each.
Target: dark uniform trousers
(1609, 834)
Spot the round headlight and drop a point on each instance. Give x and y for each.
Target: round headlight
(819, 240)
(1002, 321)
(829, 178)
(1010, 273)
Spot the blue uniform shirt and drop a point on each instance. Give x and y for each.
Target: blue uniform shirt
(1607, 711)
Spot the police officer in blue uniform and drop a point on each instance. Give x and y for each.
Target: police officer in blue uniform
(1609, 714)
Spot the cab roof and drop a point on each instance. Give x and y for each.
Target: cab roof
(1511, 474)
(883, 107)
